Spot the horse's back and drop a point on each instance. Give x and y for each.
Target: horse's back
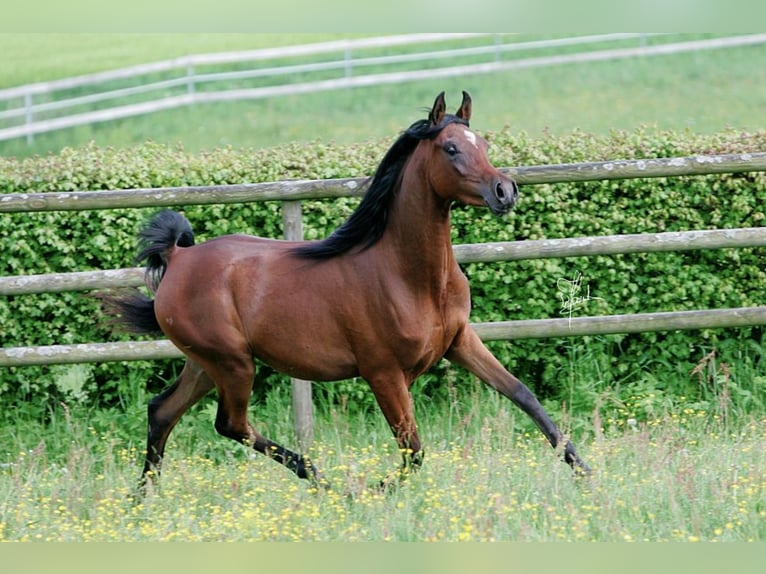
(242, 244)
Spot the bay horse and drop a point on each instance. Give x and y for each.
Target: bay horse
(381, 298)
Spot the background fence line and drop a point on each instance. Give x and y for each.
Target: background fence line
(189, 86)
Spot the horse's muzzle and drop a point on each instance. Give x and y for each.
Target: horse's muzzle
(502, 195)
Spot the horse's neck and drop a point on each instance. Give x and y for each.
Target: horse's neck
(419, 233)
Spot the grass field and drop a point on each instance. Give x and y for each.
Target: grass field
(44, 57)
(706, 91)
(676, 471)
(487, 477)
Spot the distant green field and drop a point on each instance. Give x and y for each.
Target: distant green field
(31, 58)
(706, 91)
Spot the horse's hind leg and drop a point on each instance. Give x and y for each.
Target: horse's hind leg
(166, 409)
(234, 379)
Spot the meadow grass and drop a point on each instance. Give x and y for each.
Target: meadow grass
(706, 92)
(44, 57)
(488, 476)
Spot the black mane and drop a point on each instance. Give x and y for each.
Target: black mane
(368, 222)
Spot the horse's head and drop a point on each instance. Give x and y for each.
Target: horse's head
(458, 166)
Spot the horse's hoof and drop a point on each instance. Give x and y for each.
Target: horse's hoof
(582, 470)
(321, 484)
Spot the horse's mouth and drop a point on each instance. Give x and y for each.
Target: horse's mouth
(500, 211)
(497, 206)
(501, 196)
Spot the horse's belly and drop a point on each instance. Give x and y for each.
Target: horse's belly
(302, 341)
(309, 362)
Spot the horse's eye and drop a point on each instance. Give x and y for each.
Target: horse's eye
(451, 149)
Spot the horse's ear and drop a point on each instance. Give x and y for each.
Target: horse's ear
(464, 111)
(436, 115)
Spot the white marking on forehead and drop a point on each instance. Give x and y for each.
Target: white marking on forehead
(471, 137)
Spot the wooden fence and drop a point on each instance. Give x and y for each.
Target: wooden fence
(290, 193)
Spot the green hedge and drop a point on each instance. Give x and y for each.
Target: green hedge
(77, 241)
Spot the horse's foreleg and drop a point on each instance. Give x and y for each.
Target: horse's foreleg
(166, 409)
(470, 352)
(393, 397)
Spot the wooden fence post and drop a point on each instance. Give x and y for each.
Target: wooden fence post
(303, 407)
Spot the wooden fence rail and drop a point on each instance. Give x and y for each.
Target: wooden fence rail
(293, 190)
(494, 331)
(466, 253)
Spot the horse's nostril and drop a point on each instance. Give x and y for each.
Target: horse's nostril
(500, 191)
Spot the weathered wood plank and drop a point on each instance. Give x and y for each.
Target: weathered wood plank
(466, 253)
(88, 353)
(638, 168)
(612, 244)
(75, 281)
(615, 324)
(303, 405)
(178, 196)
(321, 189)
(503, 330)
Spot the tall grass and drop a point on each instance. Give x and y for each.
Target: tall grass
(683, 475)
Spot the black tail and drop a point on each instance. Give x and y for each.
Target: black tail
(134, 310)
(165, 230)
(130, 311)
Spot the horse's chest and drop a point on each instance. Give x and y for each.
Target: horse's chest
(420, 349)
(423, 335)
